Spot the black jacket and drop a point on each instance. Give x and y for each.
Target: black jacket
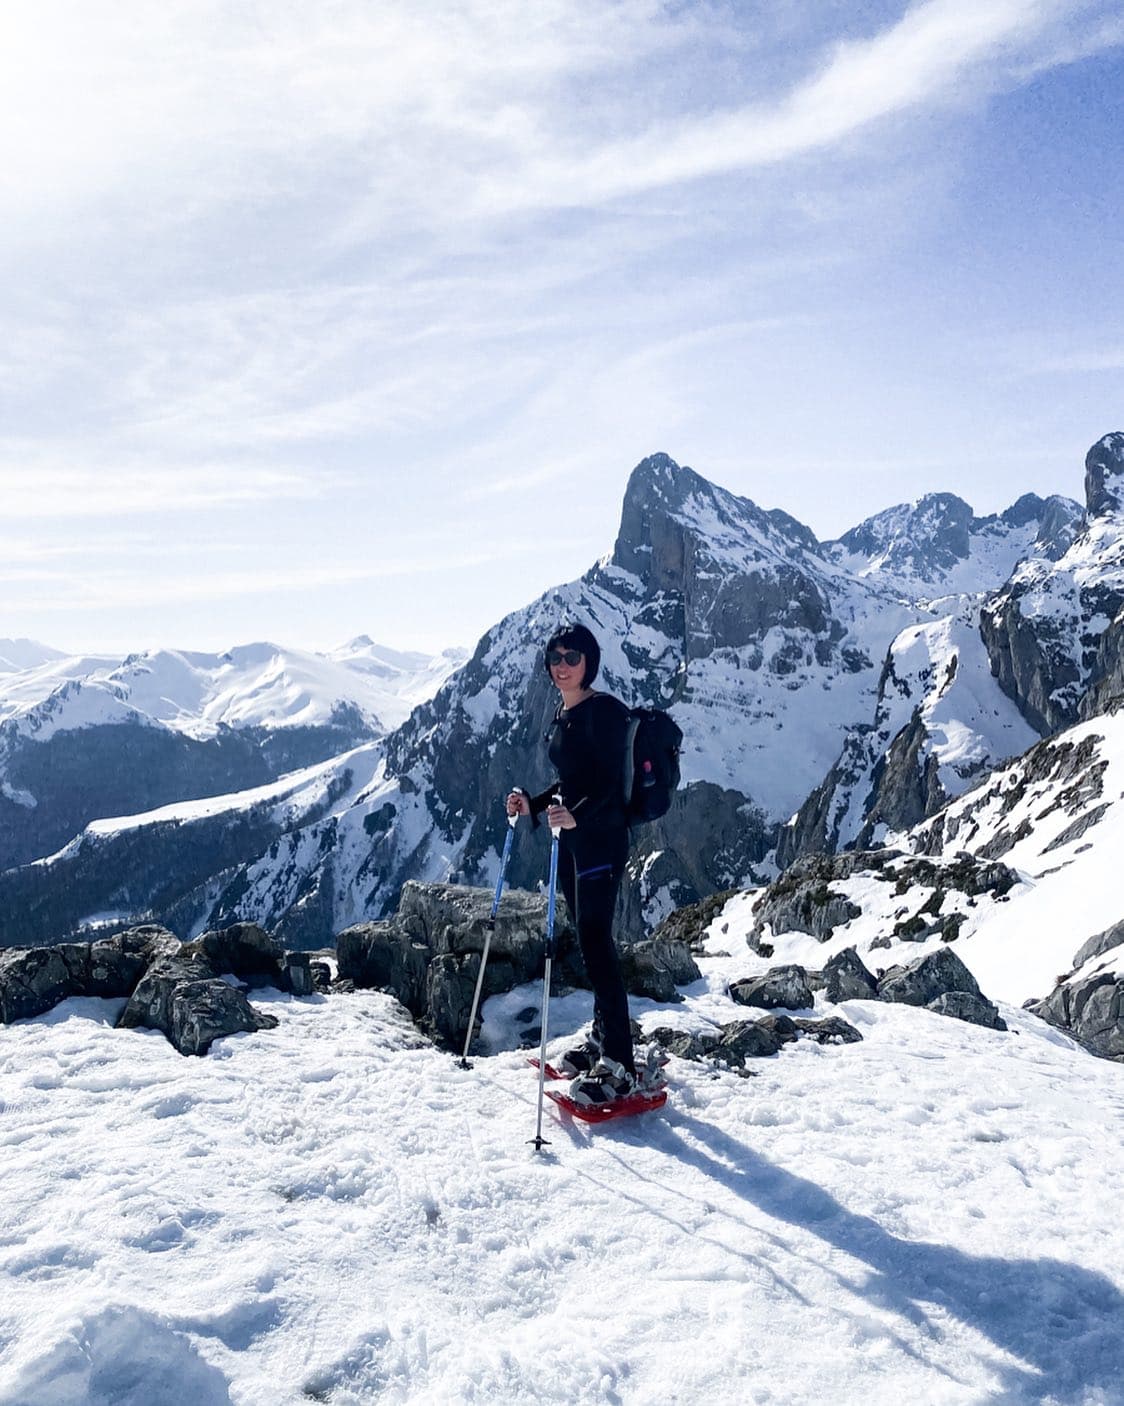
(587, 746)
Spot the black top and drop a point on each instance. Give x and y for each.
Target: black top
(587, 746)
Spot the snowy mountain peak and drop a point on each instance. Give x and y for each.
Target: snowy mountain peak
(926, 540)
(670, 513)
(1104, 476)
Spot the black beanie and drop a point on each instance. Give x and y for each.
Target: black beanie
(568, 636)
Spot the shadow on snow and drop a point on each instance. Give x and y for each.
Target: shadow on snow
(1062, 1322)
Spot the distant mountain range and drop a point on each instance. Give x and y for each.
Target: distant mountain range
(832, 695)
(85, 737)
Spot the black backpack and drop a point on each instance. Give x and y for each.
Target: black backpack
(651, 763)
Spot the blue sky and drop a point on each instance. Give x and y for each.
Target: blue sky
(354, 317)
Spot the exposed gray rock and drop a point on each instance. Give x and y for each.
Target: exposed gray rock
(922, 981)
(1104, 476)
(709, 837)
(384, 957)
(183, 996)
(244, 950)
(170, 988)
(695, 1045)
(831, 1030)
(656, 968)
(302, 976)
(962, 1005)
(784, 987)
(205, 1011)
(743, 1039)
(802, 901)
(1099, 944)
(1073, 771)
(1031, 649)
(151, 1003)
(112, 966)
(35, 979)
(846, 978)
(689, 923)
(906, 783)
(454, 918)
(32, 980)
(428, 955)
(1090, 1009)
(449, 983)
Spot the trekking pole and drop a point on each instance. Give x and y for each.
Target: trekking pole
(538, 1142)
(511, 823)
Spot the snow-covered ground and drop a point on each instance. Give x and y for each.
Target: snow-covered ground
(334, 1211)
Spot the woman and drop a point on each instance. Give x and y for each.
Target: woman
(587, 742)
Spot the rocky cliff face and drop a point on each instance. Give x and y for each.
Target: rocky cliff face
(941, 720)
(1050, 632)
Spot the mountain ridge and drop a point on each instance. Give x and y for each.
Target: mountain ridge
(745, 624)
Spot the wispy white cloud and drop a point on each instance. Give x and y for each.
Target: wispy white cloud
(122, 588)
(940, 51)
(321, 270)
(32, 488)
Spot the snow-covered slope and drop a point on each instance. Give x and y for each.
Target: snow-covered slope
(332, 1211)
(1053, 816)
(17, 655)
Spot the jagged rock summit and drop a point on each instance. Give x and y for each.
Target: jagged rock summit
(1104, 476)
(1054, 633)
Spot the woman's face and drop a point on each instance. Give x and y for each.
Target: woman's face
(567, 676)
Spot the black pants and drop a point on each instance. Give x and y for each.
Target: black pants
(590, 869)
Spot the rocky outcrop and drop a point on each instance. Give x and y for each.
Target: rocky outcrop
(206, 1011)
(709, 838)
(846, 978)
(172, 987)
(930, 976)
(244, 950)
(1104, 476)
(689, 924)
(906, 784)
(1091, 1010)
(656, 968)
(801, 900)
(428, 955)
(1099, 944)
(33, 980)
(941, 982)
(738, 1040)
(781, 988)
(1073, 769)
(962, 1005)
(831, 1030)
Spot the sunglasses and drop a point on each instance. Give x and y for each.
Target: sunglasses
(570, 657)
